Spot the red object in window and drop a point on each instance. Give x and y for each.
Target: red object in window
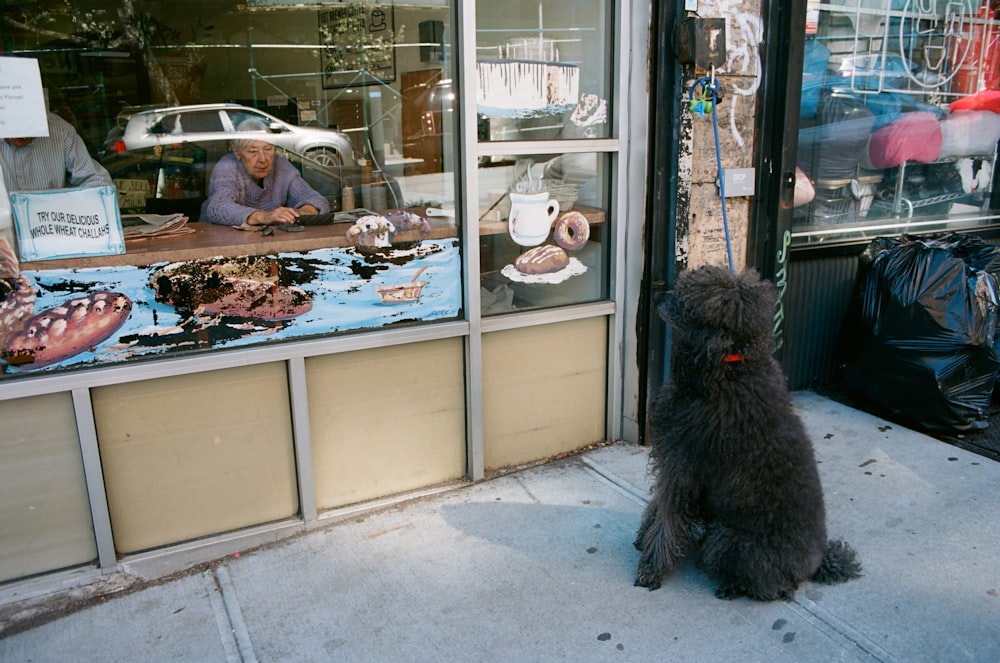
(985, 100)
(913, 137)
(971, 73)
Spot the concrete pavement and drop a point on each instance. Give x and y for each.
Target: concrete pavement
(538, 566)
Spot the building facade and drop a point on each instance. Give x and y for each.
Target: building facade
(461, 309)
(510, 186)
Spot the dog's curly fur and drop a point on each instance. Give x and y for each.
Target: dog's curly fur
(734, 469)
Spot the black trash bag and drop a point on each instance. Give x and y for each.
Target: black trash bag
(919, 337)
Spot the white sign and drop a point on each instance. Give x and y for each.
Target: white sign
(67, 223)
(22, 101)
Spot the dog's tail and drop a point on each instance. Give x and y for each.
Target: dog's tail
(840, 564)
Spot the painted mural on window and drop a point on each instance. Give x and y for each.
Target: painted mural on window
(393, 269)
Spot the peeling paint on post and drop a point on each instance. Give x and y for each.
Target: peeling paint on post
(685, 178)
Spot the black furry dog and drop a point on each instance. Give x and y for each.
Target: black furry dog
(734, 469)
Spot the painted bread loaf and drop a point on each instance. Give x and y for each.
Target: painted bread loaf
(543, 259)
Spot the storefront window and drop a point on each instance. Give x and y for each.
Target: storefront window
(544, 231)
(543, 69)
(355, 96)
(899, 119)
(543, 76)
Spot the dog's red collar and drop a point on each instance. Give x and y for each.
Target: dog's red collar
(732, 359)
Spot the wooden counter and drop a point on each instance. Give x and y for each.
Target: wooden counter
(210, 240)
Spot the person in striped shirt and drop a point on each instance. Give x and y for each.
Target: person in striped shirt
(57, 161)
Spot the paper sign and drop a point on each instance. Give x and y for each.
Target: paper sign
(132, 194)
(67, 223)
(22, 101)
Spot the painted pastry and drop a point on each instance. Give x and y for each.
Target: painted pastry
(543, 259)
(371, 232)
(243, 287)
(408, 227)
(513, 88)
(65, 330)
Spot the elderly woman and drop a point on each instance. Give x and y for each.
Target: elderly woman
(254, 187)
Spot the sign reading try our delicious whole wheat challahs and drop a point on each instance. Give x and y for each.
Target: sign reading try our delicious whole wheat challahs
(67, 223)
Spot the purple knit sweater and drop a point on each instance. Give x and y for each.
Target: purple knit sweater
(233, 195)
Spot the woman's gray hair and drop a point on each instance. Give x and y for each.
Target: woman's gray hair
(250, 125)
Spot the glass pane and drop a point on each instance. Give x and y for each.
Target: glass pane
(545, 231)
(897, 133)
(543, 69)
(356, 98)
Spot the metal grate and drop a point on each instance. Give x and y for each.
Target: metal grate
(818, 294)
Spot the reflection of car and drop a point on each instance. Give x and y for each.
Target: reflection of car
(217, 122)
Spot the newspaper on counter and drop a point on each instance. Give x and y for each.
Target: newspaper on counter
(137, 226)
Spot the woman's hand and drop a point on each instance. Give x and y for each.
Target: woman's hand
(279, 215)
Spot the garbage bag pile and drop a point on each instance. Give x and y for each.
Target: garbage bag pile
(919, 337)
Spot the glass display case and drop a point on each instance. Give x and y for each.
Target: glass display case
(899, 119)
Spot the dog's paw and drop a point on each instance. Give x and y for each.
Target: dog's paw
(728, 592)
(649, 583)
(646, 578)
(774, 594)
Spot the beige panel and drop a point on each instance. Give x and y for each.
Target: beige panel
(385, 421)
(45, 521)
(544, 390)
(195, 455)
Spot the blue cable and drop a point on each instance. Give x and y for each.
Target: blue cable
(709, 85)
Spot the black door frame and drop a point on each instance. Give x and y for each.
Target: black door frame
(663, 204)
(770, 222)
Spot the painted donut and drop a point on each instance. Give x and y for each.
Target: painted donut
(572, 231)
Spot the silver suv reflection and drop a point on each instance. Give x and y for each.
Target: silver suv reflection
(217, 122)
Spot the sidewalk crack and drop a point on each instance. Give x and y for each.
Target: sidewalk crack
(629, 490)
(229, 617)
(838, 631)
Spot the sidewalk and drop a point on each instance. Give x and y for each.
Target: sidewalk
(538, 566)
